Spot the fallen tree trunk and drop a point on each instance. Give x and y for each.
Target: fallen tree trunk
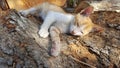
(21, 46)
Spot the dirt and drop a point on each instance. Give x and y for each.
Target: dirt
(21, 47)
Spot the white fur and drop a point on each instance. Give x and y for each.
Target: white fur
(63, 21)
(59, 20)
(56, 21)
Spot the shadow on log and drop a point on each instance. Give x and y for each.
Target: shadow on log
(20, 45)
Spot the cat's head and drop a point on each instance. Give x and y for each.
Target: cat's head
(82, 24)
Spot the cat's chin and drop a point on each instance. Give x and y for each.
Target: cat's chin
(76, 35)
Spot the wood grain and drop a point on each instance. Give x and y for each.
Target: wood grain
(25, 4)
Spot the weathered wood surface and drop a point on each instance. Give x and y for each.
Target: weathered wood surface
(20, 45)
(99, 5)
(25, 4)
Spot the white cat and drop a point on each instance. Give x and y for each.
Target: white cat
(57, 21)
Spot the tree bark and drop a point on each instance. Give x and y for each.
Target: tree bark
(21, 46)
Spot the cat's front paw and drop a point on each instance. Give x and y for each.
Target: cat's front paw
(24, 12)
(43, 33)
(55, 49)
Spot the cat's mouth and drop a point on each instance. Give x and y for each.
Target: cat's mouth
(76, 33)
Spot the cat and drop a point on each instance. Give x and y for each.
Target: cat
(57, 21)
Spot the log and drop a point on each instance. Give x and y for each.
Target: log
(25, 4)
(4, 5)
(99, 5)
(21, 46)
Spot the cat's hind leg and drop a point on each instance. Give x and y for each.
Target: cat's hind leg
(28, 11)
(55, 38)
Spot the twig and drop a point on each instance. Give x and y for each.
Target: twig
(82, 62)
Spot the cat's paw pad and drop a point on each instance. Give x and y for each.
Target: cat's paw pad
(24, 12)
(55, 50)
(43, 33)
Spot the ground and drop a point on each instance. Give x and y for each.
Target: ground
(21, 47)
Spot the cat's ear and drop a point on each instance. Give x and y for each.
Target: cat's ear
(87, 11)
(97, 28)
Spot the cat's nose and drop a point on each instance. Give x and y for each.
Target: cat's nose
(72, 32)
